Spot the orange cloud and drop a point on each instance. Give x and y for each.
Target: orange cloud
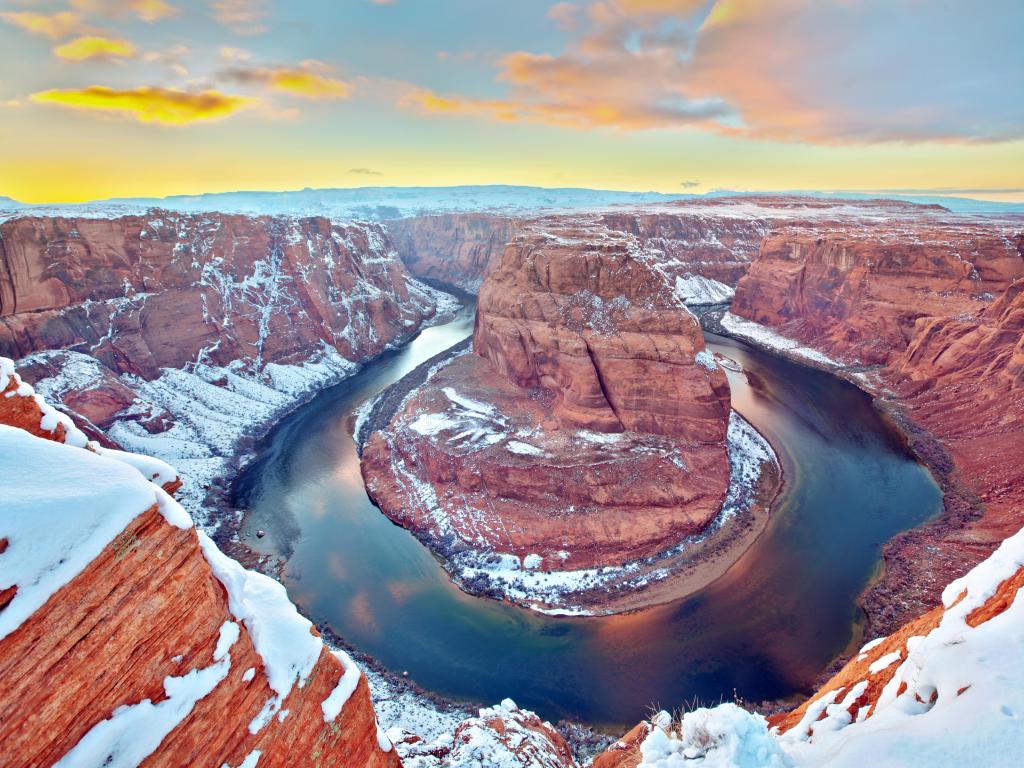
(146, 104)
(51, 25)
(90, 47)
(819, 71)
(310, 80)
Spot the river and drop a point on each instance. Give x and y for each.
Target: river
(764, 630)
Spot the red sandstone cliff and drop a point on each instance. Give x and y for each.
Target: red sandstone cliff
(857, 292)
(453, 248)
(127, 637)
(176, 334)
(141, 293)
(587, 430)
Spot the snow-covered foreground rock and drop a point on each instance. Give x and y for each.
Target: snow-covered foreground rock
(127, 638)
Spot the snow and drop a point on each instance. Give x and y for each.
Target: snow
(763, 336)
(134, 731)
(706, 359)
(695, 290)
(532, 562)
(281, 636)
(61, 507)
(249, 674)
(723, 737)
(346, 686)
(884, 662)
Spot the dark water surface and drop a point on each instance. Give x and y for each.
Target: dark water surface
(764, 630)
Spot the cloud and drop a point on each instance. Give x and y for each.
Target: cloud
(173, 58)
(310, 80)
(364, 172)
(168, 106)
(815, 71)
(94, 47)
(51, 25)
(689, 184)
(243, 17)
(147, 10)
(565, 15)
(230, 53)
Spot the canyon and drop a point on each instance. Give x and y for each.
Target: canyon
(587, 429)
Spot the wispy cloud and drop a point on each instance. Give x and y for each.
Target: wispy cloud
(309, 80)
(96, 48)
(243, 17)
(817, 71)
(51, 25)
(168, 106)
(364, 172)
(146, 10)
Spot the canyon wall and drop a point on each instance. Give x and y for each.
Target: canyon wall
(127, 638)
(456, 249)
(931, 307)
(857, 292)
(176, 334)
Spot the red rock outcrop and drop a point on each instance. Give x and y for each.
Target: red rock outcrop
(456, 248)
(141, 293)
(589, 317)
(104, 663)
(588, 429)
(856, 292)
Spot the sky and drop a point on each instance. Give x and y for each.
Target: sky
(105, 98)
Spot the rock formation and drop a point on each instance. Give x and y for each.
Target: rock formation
(935, 304)
(857, 291)
(456, 248)
(127, 638)
(586, 432)
(175, 334)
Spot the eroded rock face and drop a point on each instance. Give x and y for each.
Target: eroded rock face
(176, 334)
(857, 291)
(588, 316)
(165, 290)
(148, 651)
(456, 249)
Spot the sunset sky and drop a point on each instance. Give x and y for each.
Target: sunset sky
(102, 98)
